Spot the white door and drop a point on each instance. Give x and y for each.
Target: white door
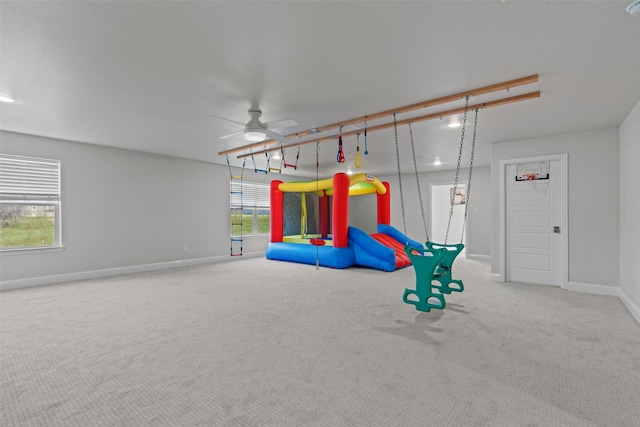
(534, 222)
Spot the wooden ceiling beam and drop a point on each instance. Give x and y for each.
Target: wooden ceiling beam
(438, 115)
(417, 106)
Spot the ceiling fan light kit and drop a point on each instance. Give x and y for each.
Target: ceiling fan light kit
(254, 136)
(256, 131)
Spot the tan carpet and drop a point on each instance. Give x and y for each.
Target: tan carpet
(267, 343)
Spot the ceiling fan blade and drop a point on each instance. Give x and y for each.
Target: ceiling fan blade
(280, 124)
(228, 120)
(274, 135)
(231, 134)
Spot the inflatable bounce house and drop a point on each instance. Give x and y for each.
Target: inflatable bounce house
(319, 210)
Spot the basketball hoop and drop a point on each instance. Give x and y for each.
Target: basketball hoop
(530, 176)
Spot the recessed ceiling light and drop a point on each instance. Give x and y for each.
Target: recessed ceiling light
(4, 98)
(454, 125)
(437, 162)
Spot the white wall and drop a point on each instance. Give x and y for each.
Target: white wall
(363, 212)
(478, 233)
(124, 208)
(593, 200)
(630, 208)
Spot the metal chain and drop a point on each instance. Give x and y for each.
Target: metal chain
(415, 167)
(404, 222)
(473, 149)
(455, 184)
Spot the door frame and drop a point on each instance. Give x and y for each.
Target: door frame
(564, 208)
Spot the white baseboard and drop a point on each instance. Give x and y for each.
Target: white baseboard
(633, 309)
(589, 288)
(117, 271)
(613, 291)
(496, 277)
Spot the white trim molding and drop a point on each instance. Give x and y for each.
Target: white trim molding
(589, 288)
(612, 291)
(633, 309)
(117, 271)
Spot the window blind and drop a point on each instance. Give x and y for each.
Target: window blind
(250, 195)
(29, 178)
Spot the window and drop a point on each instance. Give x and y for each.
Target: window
(29, 203)
(249, 208)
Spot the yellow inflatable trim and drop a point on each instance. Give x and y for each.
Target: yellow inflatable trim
(360, 184)
(305, 240)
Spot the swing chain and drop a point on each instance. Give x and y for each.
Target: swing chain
(455, 184)
(473, 149)
(415, 167)
(404, 222)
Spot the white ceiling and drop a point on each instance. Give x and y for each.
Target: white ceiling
(148, 76)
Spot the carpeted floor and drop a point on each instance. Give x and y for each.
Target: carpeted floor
(267, 343)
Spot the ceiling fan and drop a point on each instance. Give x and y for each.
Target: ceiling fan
(256, 131)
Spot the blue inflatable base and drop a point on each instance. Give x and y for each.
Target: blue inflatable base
(363, 250)
(328, 256)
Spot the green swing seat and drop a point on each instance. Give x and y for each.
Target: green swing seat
(425, 262)
(442, 273)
